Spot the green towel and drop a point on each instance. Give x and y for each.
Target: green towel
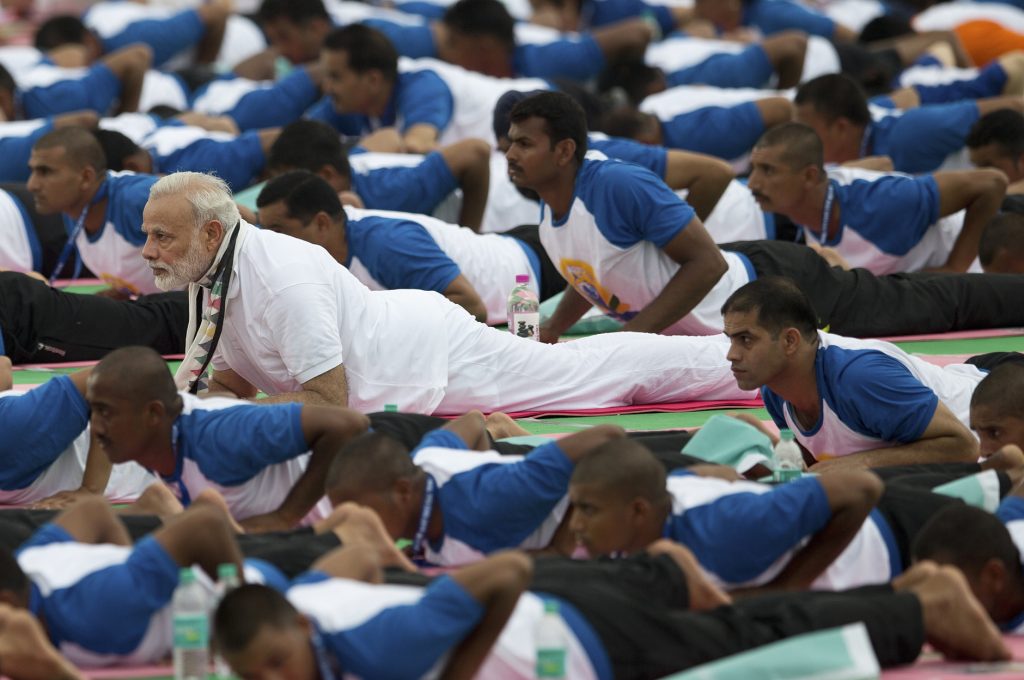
(980, 490)
(247, 197)
(533, 440)
(728, 441)
(835, 654)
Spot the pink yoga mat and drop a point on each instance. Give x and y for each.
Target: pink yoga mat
(64, 283)
(931, 666)
(669, 407)
(959, 335)
(126, 672)
(944, 359)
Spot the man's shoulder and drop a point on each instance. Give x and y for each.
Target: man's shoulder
(275, 261)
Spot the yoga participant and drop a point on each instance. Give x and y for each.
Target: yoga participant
(997, 406)
(268, 462)
(292, 322)
(628, 245)
(850, 403)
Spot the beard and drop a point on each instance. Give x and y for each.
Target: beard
(189, 268)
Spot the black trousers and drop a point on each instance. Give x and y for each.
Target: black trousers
(41, 324)
(637, 607)
(859, 304)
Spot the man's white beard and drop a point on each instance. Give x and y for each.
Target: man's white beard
(189, 268)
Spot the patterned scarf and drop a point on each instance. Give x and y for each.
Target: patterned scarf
(204, 325)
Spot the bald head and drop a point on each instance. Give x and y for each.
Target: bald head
(139, 373)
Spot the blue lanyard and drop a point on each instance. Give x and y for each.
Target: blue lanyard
(71, 246)
(420, 538)
(826, 214)
(323, 657)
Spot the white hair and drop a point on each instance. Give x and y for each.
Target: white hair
(208, 195)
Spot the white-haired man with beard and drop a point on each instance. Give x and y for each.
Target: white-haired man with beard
(273, 313)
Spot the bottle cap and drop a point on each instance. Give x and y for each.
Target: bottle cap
(786, 435)
(227, 571)
(186, 576)
(522, 278)
(551, 606)
(391, 408)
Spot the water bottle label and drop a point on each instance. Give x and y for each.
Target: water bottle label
(191, 631)
(526, 325)
(787, 475)
(550, 663)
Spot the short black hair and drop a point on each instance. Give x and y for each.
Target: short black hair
(64, 29)
(140, 373)
(885, 27)
(625, 121)
(966, 537)
(1004, 127)
(779, 304)
(296, 11)
(1004, 232)
(483, 18)
(116, 147)
(7, 83)
(244, 611)
(1003, 390)
(632, 76)
(80, 146)
(304, 195)
(308, 145)
(563, 118)
(835, 96)
(366, 48)
(801, 146)
(12, 578)
(500, 121)
(625, 468)
(371, 462)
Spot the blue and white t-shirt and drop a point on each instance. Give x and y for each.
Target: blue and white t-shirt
(459, 103)
(236, 160)
(76, 587)
(16, 141)
(252, 454)
(20, 249)
(114, 253)
(744, 533)
(874, 395)
(403, 182)
(255, 104)
(491, 502)
(401, 250)
(889, 223)
(1011, 513)
(773, 16)
(119, 24)
(48, 90)
(609, 245)
(392, 631)
(919, 140)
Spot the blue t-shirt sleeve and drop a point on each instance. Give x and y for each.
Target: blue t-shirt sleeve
(401, 254)
(499, 505)
(442, 438)
(574, 58)
(423, 99)
(1011, 510)
(654, 158)
(233, 445)
(47, 534)
(921, 138)
(407, 640)
(128, 197)
(760, 528)
(772, 16)
(15, 152)
(414, 188)
(415, 42)
(135, 590)
(166, 36)
(37, 427)
(349, 124)
(237, 161)
(876, 395)
(632, 204)
(892, 212)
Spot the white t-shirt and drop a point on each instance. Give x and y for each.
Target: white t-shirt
(15, 250)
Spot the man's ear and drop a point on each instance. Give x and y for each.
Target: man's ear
(565, 152)
(993, 577)
(155, 411)
(212, 234)
(791, 340)
(323, 223)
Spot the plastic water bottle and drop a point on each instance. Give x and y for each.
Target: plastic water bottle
(191, 628)
(552, 643)
(524, 310)
(227, 580)
(789, 461)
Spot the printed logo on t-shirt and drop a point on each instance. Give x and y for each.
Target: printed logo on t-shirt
(580, 276)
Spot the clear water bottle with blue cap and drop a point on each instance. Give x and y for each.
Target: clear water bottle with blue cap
(789, 460)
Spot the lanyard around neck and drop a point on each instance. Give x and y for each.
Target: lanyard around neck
(71, 245)
(419, 540)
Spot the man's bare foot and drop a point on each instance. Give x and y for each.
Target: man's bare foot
(25, 651)
(214, 498)
(704, 594)
(954, 621)
(355, 524)
(500, 425)
(157, 499)
(1005, 459)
